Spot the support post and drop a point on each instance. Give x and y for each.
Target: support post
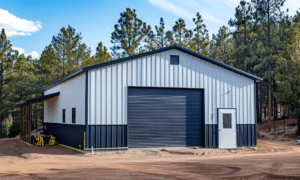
(36, 118)
(84, 141)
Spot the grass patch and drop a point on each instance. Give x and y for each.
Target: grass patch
(10, 174)
(31, 174)
(54, 169)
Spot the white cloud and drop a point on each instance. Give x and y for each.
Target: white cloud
(172, 8)
(209, 17)
(21, 50)
(178, 8)
(33, 54)
(15, 26)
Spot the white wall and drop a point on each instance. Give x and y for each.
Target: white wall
(72, 95)
(222, 88)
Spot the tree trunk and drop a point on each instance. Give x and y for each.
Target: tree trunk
(36, 118)
(0, 127)
(274, 126)
(284, 126)
(1, 100)
(298, 124)
(269, 108)
(260, 104)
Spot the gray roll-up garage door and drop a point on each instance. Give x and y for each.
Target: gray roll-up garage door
(165, 117)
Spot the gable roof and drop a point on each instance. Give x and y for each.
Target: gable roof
(226, 66)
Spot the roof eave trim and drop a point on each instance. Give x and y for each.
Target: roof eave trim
(226, 66)
(69, 76)
(40, 98)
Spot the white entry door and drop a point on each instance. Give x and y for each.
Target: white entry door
(227, 128)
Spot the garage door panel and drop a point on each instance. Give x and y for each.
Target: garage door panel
(165, 117)
(166, 109)
(160, 118)
(173, 126)
(165, 127)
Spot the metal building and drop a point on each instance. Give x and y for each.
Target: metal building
(167, 97)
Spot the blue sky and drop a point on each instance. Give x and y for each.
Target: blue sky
(30, 25)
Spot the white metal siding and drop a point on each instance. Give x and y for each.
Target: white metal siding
(72, 95)
(222, 88)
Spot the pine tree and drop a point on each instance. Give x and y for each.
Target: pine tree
(266, 44)
(6, 68)
(242, 23)
(101, 54)
(82, 53)
(182, 36)
(149, 41)
(49, 67)
(7, 124)
(201, 38)
(21, 88)
(170, 38)
(65, 44)
(212, 49)
(128, 34)
(288, 77)
(161, 37)
(224, 46)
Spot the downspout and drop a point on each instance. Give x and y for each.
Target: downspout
(86, 110)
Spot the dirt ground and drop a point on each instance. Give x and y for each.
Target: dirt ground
(269, 160)
(279, 135)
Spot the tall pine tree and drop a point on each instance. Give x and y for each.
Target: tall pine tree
(82, 53)
(201, 38)
(181, 35)
(161, 37)
(288, 77)
(223, 46)
(242, 23)
(128, 34)
(65, 45)
(266, 44)
(101, 54)
(6, 68)
(49, 67)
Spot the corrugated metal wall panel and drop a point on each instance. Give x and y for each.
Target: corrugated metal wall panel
(98, 97)
(92, 99)
(120, 92)
(246, 135)
(67, 134)
(108, 96)
(103, 97)
(107, 136)
(114, 90)
(211, 136)
(155, 71)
